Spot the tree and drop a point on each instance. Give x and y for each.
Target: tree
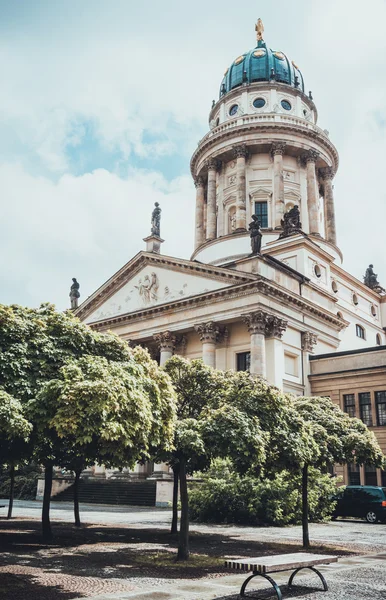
(339, 438)
(15, 431)
(42, 350)
(208, 426)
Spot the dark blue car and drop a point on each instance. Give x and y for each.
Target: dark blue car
(364, 501)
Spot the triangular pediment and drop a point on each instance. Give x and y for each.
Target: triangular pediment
(150, 280)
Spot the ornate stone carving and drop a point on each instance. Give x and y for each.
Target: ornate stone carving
(276, 326)
(259, 28)
(291, 223)
(256, 235)
(309, 340)
(148, 288)
(310, 156)
(212, 164)
(278, 148)
(199, 181)
(240, 151)
(166, 341)
(371, 280)
(327, 173)
(265, 323)
(208, 332)
(74, 293)
(156, 220)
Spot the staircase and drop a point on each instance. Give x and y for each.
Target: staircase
(135, 493)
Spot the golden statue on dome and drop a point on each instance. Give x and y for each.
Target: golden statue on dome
(259, 28)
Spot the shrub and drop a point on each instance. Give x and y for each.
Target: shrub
(26, 481)
(226, 497)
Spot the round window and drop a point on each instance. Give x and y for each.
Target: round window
(286, 105)
(259, 102)
(233, 110)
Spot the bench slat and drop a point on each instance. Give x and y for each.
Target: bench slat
(280, 562)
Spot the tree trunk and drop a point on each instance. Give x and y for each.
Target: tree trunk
(183, 545)
(46, 525)
(176, 475)
(76, 498)
(306, 536)
(11, 491)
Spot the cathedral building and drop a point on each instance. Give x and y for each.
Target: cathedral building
(265, 289)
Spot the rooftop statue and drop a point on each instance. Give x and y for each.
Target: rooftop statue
(74, 293)
(371, 279)
(291, 223)
(256, 235)
(259, 28)
(156, 220)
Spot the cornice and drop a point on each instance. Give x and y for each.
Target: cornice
(141, 259)
(260, 127)
(260, 285)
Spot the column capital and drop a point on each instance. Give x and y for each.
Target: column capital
(166, 341)
(310, 156)
(208, 332)
(276, 327)
(327, 173)
(199, 181)
(309, 340)
(240, 151)
(256, 322)
(278, 148)
(213, 164)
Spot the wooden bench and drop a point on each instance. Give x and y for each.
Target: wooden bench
(262, 565)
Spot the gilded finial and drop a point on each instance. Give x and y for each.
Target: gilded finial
(259, 28)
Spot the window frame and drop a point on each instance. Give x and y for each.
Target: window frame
(369, 411)
(347, 406)
(259, 216)
(359, 330)
(247, 357)
(380, 414)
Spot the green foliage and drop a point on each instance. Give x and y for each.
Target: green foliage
(13, 424)
(226, 497)
(26, 479)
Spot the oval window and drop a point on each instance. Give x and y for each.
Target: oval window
(339, 314)
(373, 310)
(259, 102)
(233, 110)
(286, 105)
(334, 286)
(317, 271)
(239, 60)
(355, 299)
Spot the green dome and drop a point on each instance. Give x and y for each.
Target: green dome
(261, 64)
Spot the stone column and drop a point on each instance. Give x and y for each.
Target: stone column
(309, 340)
(166, 342)
(277, 151)
(211, 217)
(257, 325)
(241, 153)
(209, 334)
(274, 350)
(329, 210)
(200, 201)
(312, 191)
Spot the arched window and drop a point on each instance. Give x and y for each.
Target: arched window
(378, 340)
(360, 331)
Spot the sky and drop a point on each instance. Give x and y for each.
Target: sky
(103, 103)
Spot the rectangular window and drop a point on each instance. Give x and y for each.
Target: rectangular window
(365, 408)
(261, 210)
(353, 474)
(370, 475)
(349, 404)
(243, 361)
(380, 403)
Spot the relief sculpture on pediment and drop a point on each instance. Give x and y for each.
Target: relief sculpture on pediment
(148, 288)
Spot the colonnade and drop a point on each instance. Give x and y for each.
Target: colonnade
(266, 346)
(206, 200)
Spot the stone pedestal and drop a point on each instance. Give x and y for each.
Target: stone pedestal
(153, 243)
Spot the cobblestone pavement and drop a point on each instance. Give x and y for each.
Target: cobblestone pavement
(353, 577)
